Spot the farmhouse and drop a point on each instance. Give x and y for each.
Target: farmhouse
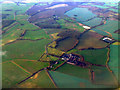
(108, 40)
(86, 27)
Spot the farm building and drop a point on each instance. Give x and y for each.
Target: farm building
(108, 40)
(86, 27)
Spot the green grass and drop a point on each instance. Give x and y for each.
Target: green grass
(11, 75)
(19, 17)
(100, 32)
(114, 58)
(26, 25)
(12, 34)
(70, 25)
(32, 66)
(103, 76)
(33, 35)
(74, 71)
(110, 26)
(68, 81)
(14, 7)
(54, 51)
(25, 49)
(93, 22)
(42, 81)
(94, 56)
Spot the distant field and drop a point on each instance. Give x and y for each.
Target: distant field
(95, 56)
(100, 32)
(91, 40)
(13, 8)
(25, 49)
(114, 10)
(93, 22)
(99, 6)
(110, 26)
(41, 80)
(23, 17)
(74, 71)
(12, 74)
(83, 14)
(25, 25)
(70, 24)
(12, 34)
(38, 34)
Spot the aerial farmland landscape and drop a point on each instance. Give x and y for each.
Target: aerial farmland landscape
(60, 44)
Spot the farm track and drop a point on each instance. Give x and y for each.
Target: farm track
(51, 78)
(21, 67)
(30, 76)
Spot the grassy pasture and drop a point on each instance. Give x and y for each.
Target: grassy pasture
(25, 49)
(12, 34)
(103, 76)
(33, 35)
(23, 17)
(32, 66)
(93, 22)
(114, 60)
(94, 56)
(69, 81)
(110, 26)
(70, 25)
(74, 71)
(11, 75)
(25, 25)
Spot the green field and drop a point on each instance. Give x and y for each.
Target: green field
(38, 34)
(12, 74)
(98, 56)
(32, 66)
(74, 71)
(40, 81)
(54, 51)
(68, 81)
(23, 17)
(100, 32)
(46, 57)
(103, 76)
(12, 34)
(93, 22)
(25, 49)
(114, 57)
(25, 25)
(70, 24)
(110, 26)
(13, 8)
